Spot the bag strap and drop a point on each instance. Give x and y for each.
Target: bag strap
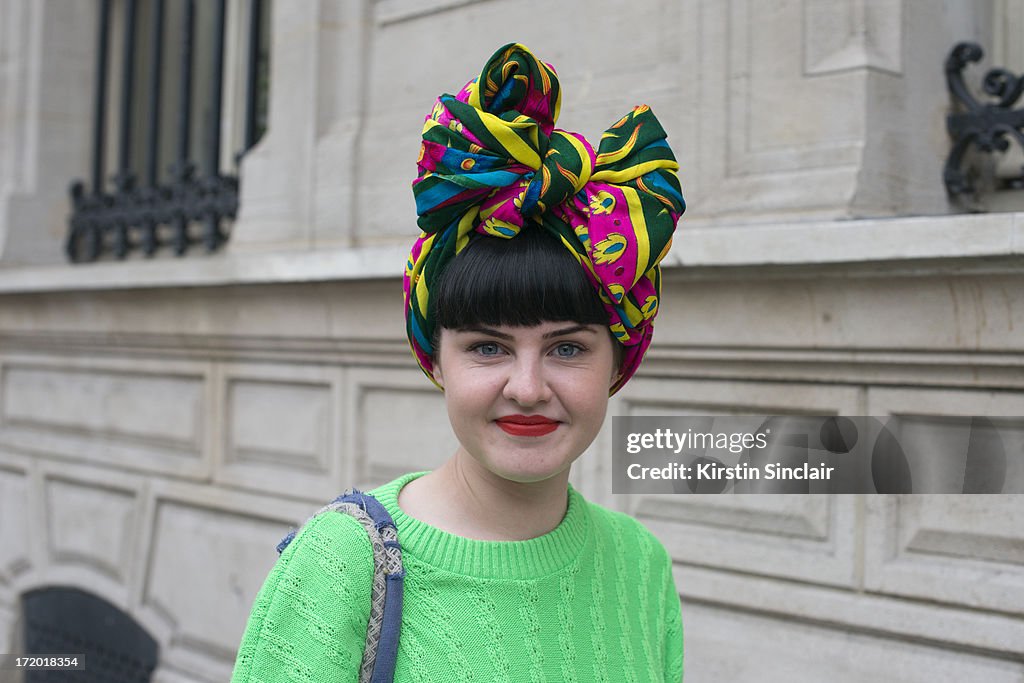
(385, 624)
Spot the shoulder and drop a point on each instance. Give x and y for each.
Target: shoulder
(329, 544)
(626, 534)
(325, 572)
(315, 598)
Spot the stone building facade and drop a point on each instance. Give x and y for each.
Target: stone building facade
(164, 421)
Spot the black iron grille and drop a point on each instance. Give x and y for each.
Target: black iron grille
(169, 188)
(61, 620)
(987, 127)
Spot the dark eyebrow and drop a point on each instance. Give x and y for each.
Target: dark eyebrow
(569, 330)
(548, 335)
(484, 330)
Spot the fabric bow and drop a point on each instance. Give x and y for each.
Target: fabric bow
(493, 162)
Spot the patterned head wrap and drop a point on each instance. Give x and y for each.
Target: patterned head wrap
(492, 162)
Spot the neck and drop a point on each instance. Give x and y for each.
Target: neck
(464, 498)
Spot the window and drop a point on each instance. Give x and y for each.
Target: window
(180, 94)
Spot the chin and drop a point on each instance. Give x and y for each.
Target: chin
(526, 477)
(524, 473)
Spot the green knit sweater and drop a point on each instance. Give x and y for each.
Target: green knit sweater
(593, 600)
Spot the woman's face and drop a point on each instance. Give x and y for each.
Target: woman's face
(525, 402)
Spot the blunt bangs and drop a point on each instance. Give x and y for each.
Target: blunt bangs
(519, 282)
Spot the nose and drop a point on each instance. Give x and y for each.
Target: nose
(526, 383)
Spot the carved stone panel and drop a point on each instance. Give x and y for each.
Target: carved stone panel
(804, 537)
(281, 428)
(205, 556)
(15, 521)
(399, 425)
(962, 549)
(771, 140)
(141, 416)
(967, 550)
(91, 524)
(768, 84)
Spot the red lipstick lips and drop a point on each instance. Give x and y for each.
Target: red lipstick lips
(527, 425)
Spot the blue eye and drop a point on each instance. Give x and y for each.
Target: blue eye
(486, 349)
(568, 350)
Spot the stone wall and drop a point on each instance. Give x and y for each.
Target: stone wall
(164, 422)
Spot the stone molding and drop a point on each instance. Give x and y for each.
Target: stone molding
(949, 243)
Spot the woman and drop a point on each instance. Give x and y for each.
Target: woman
(529, 300)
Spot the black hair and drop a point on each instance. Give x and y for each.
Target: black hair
(519, 282)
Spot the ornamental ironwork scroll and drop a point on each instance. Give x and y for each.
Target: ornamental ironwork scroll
(988, 127)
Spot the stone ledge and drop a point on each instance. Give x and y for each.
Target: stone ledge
(216, 270)
(890, 241)
(871, 367)
(855, 241)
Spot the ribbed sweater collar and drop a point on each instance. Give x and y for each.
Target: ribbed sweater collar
(528, 559)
